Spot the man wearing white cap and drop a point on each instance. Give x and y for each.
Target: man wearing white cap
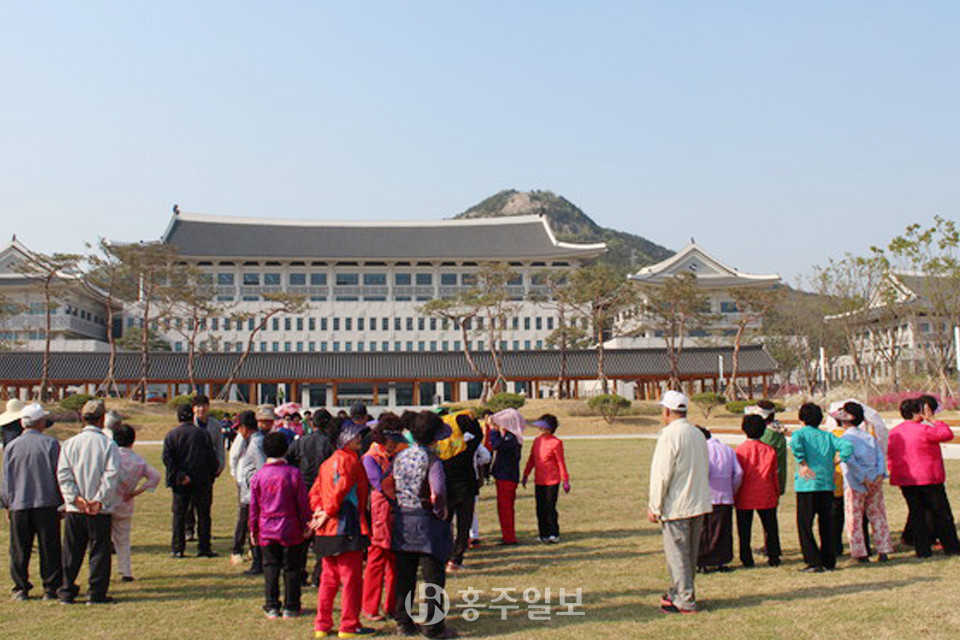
(679, 497)
(31, 494)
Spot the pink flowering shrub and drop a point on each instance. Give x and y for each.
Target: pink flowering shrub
(891, 401)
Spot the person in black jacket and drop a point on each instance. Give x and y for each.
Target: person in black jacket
(462, 488)
(192, 465)
(307, 453)
(310, 450)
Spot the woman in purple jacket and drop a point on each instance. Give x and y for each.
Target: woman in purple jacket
(279, 515)
(716, 538)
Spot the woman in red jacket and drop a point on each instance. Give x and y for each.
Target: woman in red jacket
(380, 574)
(550, 466)
(339, 501)
(759, 491)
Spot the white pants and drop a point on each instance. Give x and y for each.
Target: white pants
(475, 527)
(120, 535)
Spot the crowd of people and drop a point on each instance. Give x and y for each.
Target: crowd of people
(375, 501)
(697, 483)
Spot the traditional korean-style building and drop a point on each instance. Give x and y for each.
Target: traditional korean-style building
(364, 281)
(78, 318)
(714, 278)
(362, 336)
(383, 379)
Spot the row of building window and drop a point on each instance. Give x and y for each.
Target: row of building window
(409, 323)
(347, 279)
(39, 309)
(373, 346)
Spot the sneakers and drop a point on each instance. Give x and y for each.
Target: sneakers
(553, 539)
(883, 558)
(672, 608)
(271, 613)
(323, 634)
(474, 543)
(126, 579)
(100, 600)
(289, 614)
(50, 596)
(453, 567)
(359, 632)
(253, 571)
(209, 553)
(374, 617)
(236, 558)
(19, 596)
(811, 569)
(665, 600)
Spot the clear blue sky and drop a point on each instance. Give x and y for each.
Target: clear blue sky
(776, 133)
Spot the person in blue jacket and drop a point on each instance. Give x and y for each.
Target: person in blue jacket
(815, 452)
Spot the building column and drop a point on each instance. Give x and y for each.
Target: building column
(416, 393)
(331, 395)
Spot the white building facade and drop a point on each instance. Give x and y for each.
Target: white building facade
(78, 319)
(364, 282)
(714, 278)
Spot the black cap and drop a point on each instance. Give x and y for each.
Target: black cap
(358, 409)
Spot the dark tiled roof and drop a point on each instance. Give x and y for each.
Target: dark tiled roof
(516, 238)
(285, 367)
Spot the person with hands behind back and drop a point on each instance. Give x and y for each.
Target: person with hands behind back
(341, 533)
(88, 472)
(550, 470)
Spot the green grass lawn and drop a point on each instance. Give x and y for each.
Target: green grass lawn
(608, 550)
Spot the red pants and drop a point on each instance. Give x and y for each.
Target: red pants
(506, 498)
(379, 576)
(344, 570)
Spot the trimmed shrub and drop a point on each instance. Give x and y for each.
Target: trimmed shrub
(75, 402)
(609, 405)
(708, 401)
(176, 401)
(502, 401)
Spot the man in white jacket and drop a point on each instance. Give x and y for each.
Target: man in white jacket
(88, 472)
(679, 497)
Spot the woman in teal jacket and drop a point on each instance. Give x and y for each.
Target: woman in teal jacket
(815, 452)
